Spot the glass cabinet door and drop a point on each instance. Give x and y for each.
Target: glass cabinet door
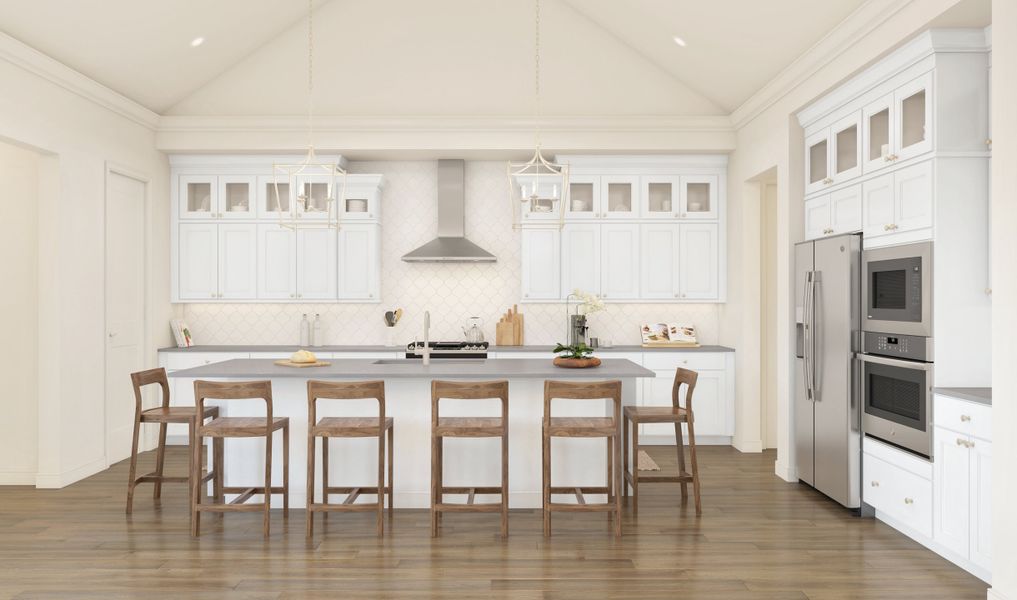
(584, 197)
(619, 197)
(661, 197)
(817, 161)
(846, 155)
(358, 202)
(197, 197)
(913, 106)
(236, 196)
(699, 197)
(315, 195)
(877, 134)
(274, 196)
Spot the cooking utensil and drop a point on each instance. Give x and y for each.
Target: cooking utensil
(398, 314)
(390, 319)
(474, 334)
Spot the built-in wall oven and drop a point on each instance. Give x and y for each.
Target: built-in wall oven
(897, 289)
(897, 379)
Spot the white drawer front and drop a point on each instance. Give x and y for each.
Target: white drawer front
(898, 458)
(899, 494)
(968, 418)
(696, 361)
(186, 360)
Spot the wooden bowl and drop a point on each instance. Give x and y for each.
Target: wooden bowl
(576, 363)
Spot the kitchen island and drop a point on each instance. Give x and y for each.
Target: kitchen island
(468, 462)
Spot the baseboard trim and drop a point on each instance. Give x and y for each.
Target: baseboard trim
(992, 594)
(785, 471)
(748, 446)
(60, 480)
(17, 477)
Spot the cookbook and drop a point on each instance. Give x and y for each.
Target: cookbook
(668, 334)
(181, 333)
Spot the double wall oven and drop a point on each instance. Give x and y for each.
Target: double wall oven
(897, 346)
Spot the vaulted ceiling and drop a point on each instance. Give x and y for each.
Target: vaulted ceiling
(433, 57)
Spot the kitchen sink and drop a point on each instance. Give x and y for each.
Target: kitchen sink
(434, 361)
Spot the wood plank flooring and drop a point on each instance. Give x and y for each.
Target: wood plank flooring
(758, 538)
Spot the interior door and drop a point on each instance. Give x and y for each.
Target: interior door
(125, 307)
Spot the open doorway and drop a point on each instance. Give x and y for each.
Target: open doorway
(766, 189)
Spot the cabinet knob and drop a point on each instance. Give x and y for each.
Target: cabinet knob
(874, 484)
(965, 418)
(370, 295)
(213, 295)
(683, 295)
(683, 215)
(293, 295)
(909, 501)
(988, 142)
(960, 442)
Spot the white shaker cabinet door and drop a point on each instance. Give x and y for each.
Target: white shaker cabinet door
(698, 258)
(981, 504)
(580, 258)
(913, 197)
(658, 262)
(951, 500)
(619, 262)
(817, 217)
(541, 264)
(358, 268)
(877, 206)
(197, 261)
(276, 263)
(846, 210)
(316, 264)
(238, 250)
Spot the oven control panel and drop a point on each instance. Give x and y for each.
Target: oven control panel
(911, 347)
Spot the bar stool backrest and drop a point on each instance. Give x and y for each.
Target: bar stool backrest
(468, 390)
(143, 378)
(235, 390)
(689, 378)
(574, 390)
(334, 390)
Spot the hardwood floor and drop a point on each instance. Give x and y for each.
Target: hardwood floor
(758, 537)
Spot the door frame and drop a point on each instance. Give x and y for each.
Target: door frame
(148, 437)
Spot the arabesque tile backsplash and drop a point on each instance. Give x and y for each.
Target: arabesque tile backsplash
(451, 292)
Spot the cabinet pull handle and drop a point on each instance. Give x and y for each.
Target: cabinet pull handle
(960, 442)
(965, 418)
(683, 215)
(874, 484)
(909, 501)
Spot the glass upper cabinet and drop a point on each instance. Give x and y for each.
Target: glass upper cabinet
(817, 161)
(315, 195)
(619, 196)
(845, 154)
(236, 196)
(661, 196)
(358, 201)
(699, 197)
(584, 197)
(878, 139)
(912, 104)
(274, 196)
(197, 196)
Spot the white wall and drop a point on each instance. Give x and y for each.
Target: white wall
(451, 292)
(39, 108)
(1004, 299)
(19, 403)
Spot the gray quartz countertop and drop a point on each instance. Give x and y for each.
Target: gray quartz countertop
(508, 368)
(980, 395)
(352, 348)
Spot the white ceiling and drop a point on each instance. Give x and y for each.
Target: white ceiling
(433, 57)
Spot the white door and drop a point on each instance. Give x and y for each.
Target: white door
(877, 206)
(817, 161)
(238, 265)
(913, 126)
(316, 264)
(699, 197)
(951, 509)
(358, 269)
(541, 264)
(198, 261)
(658, 262)
(980, 522)
(619, 261)
(580, 257)
(846, 209)
(878, 135)
(276, 263)
(817, 217)
(913, 197)
(125, 307)
(698, 269)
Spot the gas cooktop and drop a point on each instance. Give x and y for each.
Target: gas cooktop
(441, 350)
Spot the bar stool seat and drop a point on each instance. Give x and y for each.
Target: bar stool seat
(350, 426)
(242, 426)
(469, 427)
(582, 426)
(655, 414)
(175, 414)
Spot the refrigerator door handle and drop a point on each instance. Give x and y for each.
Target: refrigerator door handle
(807, 323)
(816, 359)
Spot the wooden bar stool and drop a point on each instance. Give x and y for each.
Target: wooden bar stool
(470, 427)
(347, 427)
(239, 427)
(164, 414)
(635, 415)
(572, 427)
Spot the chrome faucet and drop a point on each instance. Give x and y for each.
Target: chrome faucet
(425, 352)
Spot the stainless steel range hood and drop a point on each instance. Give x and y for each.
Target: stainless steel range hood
(451, 244)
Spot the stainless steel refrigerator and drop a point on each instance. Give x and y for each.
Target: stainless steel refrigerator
(827, 394)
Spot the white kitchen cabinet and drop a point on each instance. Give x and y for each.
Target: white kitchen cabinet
(316, 195)
(361, 199)
(197, 196)
(980, 505)
(316, 256)
(952, 504)
(912, 105)
(619, 196)
(238, 272)
(541, 264)
(584, 199)
(838, 212)
(877, 205)
(236, 197)
(699, 197)
(818, 217)
(277, 262)
(660, 196)
(899, 202)
(358, 262)
(658, 261)
(708, 403)
(580, 258)
(878, 133)
(817, 161)
(275, 198)
(619, 261)
(833, 154)
(198, 261)
(698, 256)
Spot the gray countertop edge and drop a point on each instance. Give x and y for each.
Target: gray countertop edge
(978, 395)
(506, 368)
(354, 348)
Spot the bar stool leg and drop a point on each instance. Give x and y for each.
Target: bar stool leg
(310, 485)
(504, 481)
(695, 467)
(391, 485)
(381, 484)
(635, 469)
(268, 484)
(133, 474)
(617, 496)
(680, 443)
(195, 480)
(218, 462)
(324, 473)
(160, 462)
(441, 476)
(625, 459)
(610, 460)
(286, 471)
(435, 492)
(546, 480)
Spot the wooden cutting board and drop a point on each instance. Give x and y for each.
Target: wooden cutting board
(289, 363)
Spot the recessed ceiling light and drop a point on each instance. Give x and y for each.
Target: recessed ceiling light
(200, 40)
(679, 41)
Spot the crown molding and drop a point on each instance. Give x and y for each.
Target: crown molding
(857, 25)
(37, 63)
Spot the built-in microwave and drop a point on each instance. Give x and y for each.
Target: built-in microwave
(897, 289)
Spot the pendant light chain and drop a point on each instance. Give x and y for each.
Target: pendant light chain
(310, 74)
(536, 69)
